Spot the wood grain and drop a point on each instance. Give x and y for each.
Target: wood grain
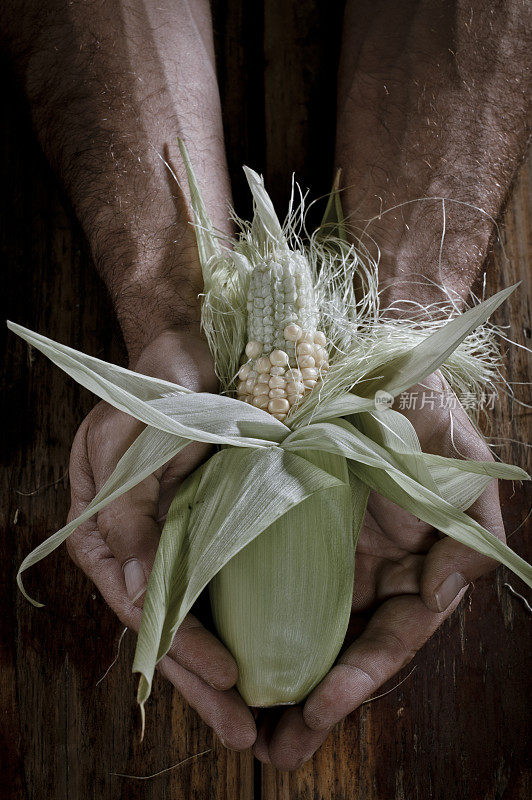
(456, 727)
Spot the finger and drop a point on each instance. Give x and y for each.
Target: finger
(199, 651)
(225, 712)
(128, 526)
(393, 636)
(293, 742)
(407, 531)
(378, 579)
(266, 722)
(451, 566)
(193, 647)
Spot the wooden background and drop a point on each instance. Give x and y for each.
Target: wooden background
(455, 729)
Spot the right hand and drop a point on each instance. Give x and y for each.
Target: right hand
(116, 548)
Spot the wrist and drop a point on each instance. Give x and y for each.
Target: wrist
(154, 279)
(435, 258)
(147, 312)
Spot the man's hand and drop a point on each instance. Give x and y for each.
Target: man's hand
(407, 579)
(117, 547)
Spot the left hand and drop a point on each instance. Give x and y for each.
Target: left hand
(408, 580)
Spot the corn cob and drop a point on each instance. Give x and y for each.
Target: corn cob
(285, 355)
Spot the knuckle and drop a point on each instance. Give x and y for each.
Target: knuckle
(108, 524)
(395, 649)
(373, 678)
(86, 550)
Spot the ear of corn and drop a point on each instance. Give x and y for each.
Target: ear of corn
(270, 522)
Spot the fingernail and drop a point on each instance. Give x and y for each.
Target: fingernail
(134, 578)
(449, 589)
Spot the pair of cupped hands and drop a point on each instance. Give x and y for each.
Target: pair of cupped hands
(408, 578)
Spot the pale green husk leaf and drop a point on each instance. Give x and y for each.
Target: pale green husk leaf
(264, 210)
(142, 397)
(435, 511)
(332, 225)
(458, 492)
(207, 241)
(378, 468)
(409, 368)
(90, 371)
(442, 475)
(208, 523)
(409, 365)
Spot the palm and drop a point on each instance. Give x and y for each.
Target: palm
(390, 554)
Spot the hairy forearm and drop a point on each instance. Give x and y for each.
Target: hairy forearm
(112, 85)
(432, 104)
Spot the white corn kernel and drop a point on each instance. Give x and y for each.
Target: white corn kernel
(260, 388)
(279, 405)
(293, 387)
(320, 338)
(309, 383)
(294, 375)
(253, 349)
(305, 349)
(292, 332)
(277, 392)
(277, 382)
(263, 364)
(248, 387)
(244, 371)
(261, 401)
(306, 361)
(309, 372)
(277, 371)
(263, 377)
(279, 358)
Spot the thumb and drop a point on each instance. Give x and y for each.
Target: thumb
(128, 526)
(451, 566)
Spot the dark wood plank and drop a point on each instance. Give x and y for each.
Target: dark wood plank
(301, 49)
